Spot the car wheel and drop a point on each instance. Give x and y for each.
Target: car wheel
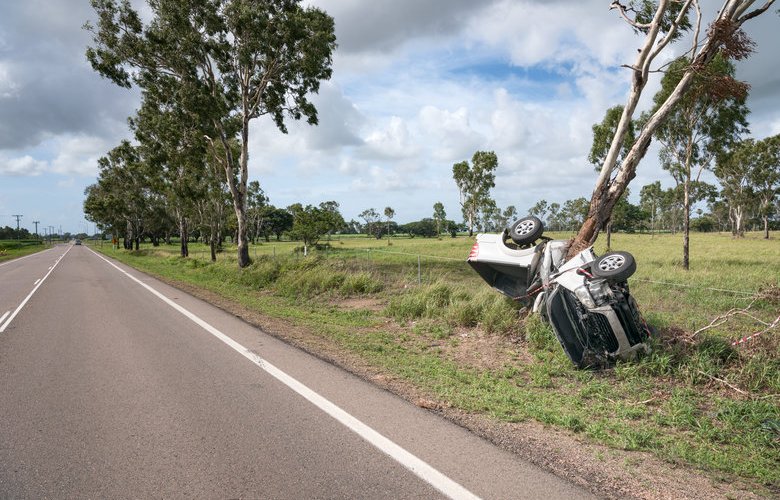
(614, 266)
(526, 230)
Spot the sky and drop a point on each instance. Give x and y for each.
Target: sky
(417, 86)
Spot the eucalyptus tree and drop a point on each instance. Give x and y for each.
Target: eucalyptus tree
(707, 120)
(650, 199)
(256, 201)
(236, 60)
(602, 138)
(539, 209)
(765, 177)
(311, 222)
(276, 221)
(124, 199)
(474, 183)
(371, 218)
(661, 22)
(212, 209)
(172, 141)
(389, 214)
(439, 215)
(750, 177)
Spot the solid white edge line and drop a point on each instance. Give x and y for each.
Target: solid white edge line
(3, 326)
(25, 257)
(3, 316)
(414, 464)
(36, 281)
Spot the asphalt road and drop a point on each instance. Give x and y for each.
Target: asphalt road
(114, 385)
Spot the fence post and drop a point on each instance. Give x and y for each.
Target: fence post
(419, 273)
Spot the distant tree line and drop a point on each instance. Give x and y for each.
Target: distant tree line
(10, 233)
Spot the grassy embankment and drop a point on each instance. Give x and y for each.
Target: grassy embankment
(13, 249)
(696, 399)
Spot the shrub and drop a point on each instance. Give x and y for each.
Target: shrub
(361, 284)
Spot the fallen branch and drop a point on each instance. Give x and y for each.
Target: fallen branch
(769, 327)
(771, 295)
(723, 382)
(719, 320)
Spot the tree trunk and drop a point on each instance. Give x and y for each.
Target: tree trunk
(607, 192)
(766, 227)
(609, 236)
(686, 225)
(739, 231)
(184, 234)
(213, 243)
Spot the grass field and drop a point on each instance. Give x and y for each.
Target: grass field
(412, 308)
(12, 249)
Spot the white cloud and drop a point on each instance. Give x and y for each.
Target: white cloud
(416, 87)
(548, 33)
(393, 142)
(8, 88)
(78, 155)
(453, 138)
(24, 166)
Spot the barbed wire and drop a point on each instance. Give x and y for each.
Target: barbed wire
(416, 255)
(682, 285)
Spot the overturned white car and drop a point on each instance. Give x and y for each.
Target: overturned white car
(585, 298)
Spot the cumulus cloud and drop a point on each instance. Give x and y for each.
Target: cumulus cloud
(417, 86)
(394, 141)
(78, 155)
(381, 26)
(451, 132)
(22, 166)
(46, 86)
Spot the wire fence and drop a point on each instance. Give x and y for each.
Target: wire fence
(424, 266)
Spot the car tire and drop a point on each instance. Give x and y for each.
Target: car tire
(526, 230)
(614, 266)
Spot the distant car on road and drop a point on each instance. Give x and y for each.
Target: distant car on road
(78, 242)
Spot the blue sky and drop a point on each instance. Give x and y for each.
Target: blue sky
(417, 86)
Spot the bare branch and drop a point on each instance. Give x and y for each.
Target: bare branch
(754, 13)
(722, 382)
(622, 9)
(672, 31)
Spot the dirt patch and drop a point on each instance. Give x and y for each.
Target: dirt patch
(606, 472)
(367, 303)
(481, 350)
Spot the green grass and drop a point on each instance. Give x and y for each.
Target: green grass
(696, 400)
(13, 249)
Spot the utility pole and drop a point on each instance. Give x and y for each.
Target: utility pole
(18, 218)
(36, 222)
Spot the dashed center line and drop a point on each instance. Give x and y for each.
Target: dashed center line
(4, 325)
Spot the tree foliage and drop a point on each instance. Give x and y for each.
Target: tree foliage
(750, 178)
(474, 183)
(310, 223)
(661, 23)
(708, 120)
(229, 61)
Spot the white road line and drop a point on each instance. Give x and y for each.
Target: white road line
(416, 465)
(4, 315)
(3, 326)
(25, 257)
(36, 281)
